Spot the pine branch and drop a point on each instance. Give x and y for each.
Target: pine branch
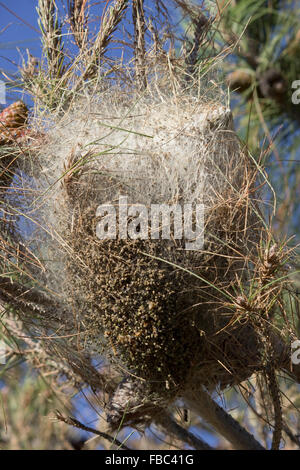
(77, 424)
(172, 428)
(201, 403)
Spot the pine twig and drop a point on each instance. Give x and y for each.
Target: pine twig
(77, 424)
(138, 16)
(110, 21)
(51, 37)
(78, 21)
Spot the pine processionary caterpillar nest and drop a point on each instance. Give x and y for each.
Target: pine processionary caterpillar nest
(159, 312)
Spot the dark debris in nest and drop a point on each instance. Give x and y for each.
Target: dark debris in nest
(165, 328)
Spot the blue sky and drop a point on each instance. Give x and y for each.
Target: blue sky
(19, 30)
(19, 27)
(18, 33)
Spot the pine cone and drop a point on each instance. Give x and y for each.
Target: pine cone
(12, 122)
(239, 80)
(272, 85)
